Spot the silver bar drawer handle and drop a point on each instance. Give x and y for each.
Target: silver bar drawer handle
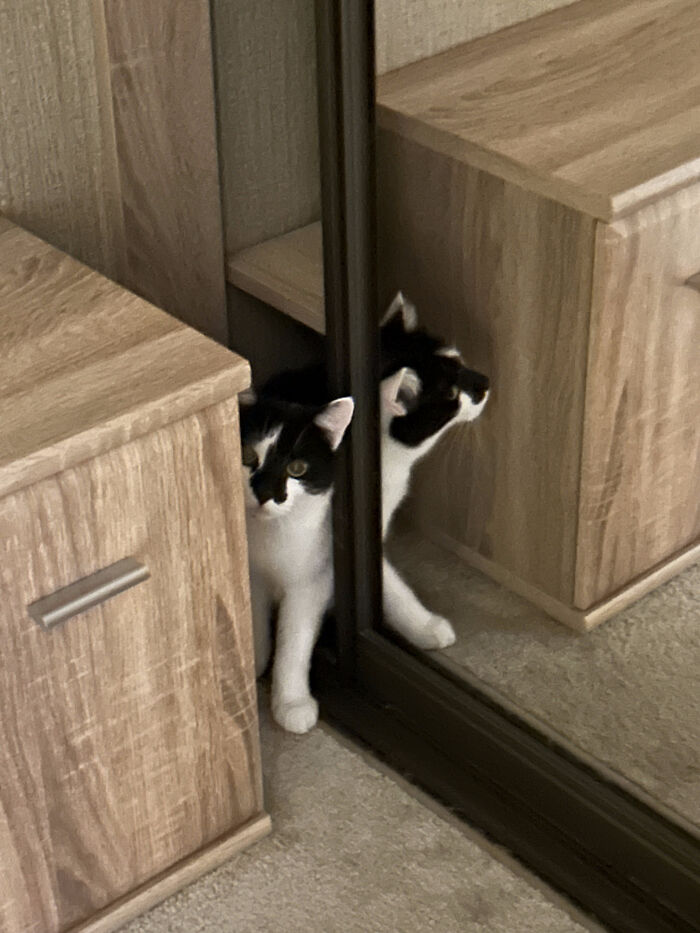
(693, 282)
(88, 592)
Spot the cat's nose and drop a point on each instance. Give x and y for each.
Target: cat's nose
(267, 488)
(476, 385)
(264, 489)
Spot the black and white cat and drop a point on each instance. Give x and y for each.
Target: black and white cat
(288, 451)
(425, 390)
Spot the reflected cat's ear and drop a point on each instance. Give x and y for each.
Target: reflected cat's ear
(334, 420)
(402, 313)
(399, 391)
(389, 394)
(247, 397)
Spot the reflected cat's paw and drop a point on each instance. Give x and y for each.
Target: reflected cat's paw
(296, 715)
(436, 633)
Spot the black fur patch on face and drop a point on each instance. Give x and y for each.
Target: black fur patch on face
(437, 402)
(299, 439)
(417, 349)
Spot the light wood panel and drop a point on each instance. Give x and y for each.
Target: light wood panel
(109, 143)
(596, 105)
(505, 275)
(408, 30)
(287, 273)
(640, 480)
(57, 170)
(266, 86)
(71, 343)
(129, 734)
(581, 620)
(184, 873)
(162, 92)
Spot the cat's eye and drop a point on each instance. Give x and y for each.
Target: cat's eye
(249, 456)
(453, 393)
(297, 468)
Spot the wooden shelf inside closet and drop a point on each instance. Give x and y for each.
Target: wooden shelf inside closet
(286, 272)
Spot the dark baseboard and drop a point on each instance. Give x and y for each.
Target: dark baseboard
(610, 854)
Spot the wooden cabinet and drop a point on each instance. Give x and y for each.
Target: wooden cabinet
(539, 199)
(129, 750)
(640, 452)
(109, 144)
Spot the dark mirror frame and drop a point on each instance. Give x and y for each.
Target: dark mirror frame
(609, 852)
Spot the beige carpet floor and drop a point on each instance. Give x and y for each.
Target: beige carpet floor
(626, 694)
(352, 851)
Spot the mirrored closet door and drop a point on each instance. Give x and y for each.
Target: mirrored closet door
(475, 217)
(555, 248)
(537, 317)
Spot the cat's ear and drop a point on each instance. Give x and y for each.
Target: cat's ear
(247, 397)
(334, 419)
(399, 391)
(389, 394)
(451, 353)
(410, 387)
(400, 313)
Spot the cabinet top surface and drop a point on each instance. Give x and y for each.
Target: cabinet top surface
(87, 365)
(596, 104)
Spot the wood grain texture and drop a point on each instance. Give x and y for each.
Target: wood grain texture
(505, 275)
(57, 169)
(640, 478)
(596, 105)
(138, 902)
(266, 85)
(408, 30)
(581, 620)
(287, 273)
(88, 365)
(129, 735)
(161, 81)
(109, 144)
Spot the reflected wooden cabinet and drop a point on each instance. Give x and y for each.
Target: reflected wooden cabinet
(545, 218)
(129, 748)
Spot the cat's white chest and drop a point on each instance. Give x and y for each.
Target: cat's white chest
(292, 548)
(397, 463)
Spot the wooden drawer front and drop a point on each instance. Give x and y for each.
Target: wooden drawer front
(640, 479)
(128, 734)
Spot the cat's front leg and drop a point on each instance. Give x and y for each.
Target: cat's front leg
(298, 625)
(408, 616)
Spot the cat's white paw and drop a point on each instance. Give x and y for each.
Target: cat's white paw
(435, 633)
(296, 715)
